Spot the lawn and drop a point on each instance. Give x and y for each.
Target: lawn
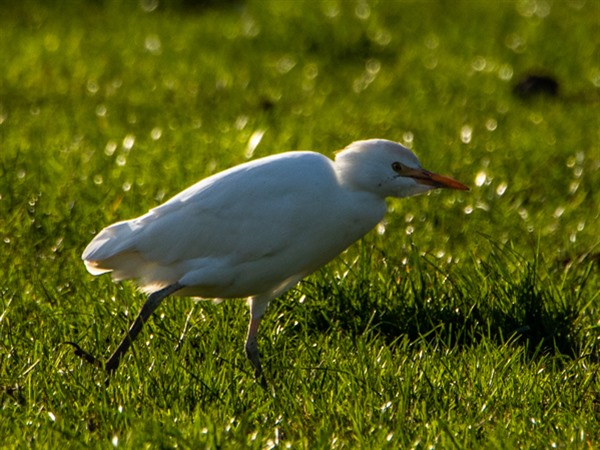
(465, 320)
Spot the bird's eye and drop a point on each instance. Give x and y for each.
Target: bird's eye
(397, 167)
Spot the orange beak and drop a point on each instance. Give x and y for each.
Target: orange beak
(423, 176)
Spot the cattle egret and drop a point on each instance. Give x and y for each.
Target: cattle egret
(255, 230)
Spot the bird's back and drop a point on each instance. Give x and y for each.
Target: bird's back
(238, 232)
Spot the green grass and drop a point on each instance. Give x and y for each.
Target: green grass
(470, 320)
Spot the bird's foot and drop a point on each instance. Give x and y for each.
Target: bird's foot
(259, 376)
(86, 355)
(254, 357)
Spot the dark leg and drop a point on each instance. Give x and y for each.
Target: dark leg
(252, 348)
(258, 306)
(151, 304)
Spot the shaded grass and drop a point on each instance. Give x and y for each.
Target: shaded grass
(504, 297)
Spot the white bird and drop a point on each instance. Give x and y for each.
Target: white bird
(255, 230)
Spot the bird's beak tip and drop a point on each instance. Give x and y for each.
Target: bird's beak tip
(441, 181)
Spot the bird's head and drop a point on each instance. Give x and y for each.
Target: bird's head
(388, 169)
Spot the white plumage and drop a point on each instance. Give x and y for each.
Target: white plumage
(255, 230)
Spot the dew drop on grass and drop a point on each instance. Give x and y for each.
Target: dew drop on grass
(111, 89)
(285, 64)
(468, 209)
(115, 441)
(153, 44)
(241, 122)
(558, 212)
(523, 213)
(253, 143)
(501, 189)
(386, 406)
(331, 10)
(483, 206)
(382, 37)
(52, 416)
(515, 42)
(156, 133)
(128, 142)
(536, 118)
(480, 178)
(110, 148)
(250, 28)
(466, 134)
(373, 66)
(506, 72)
(121, 160)
(101, 110)
(430, 62)
(491, 124)
(149, 5)
(92, 87)
(311, 71)
(362, 11)
(573, 187)
(478, 63)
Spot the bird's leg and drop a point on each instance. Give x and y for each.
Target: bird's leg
(252, 347)
(257, 309)
(148, 308)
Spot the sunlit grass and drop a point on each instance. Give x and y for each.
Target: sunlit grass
(466, 320)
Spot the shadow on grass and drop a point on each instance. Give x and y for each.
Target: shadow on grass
(503, 298)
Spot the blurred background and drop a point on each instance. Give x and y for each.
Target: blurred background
(137, 100)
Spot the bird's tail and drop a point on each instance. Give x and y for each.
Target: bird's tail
(110, 249)
(114, 250)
